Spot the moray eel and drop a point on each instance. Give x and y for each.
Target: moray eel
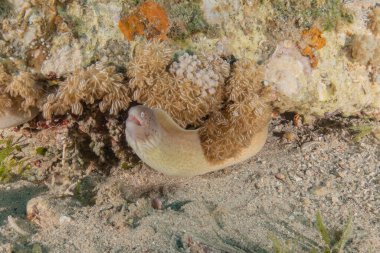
(166, 147)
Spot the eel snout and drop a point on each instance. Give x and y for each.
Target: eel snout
(139, 123)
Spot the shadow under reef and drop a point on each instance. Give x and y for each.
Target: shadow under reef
(13, 201)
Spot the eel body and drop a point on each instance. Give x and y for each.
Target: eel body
(172, 150)
(14, 116)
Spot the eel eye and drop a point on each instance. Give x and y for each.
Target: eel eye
(142, 115)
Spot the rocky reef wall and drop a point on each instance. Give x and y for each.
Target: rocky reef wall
(53, 40)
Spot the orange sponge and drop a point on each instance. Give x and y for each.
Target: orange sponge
(149, 19)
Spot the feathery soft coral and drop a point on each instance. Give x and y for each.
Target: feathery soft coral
(21, 88)
(96, 83)
(154, 86)
(247, 111)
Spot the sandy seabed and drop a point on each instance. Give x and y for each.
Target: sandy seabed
(274, 194)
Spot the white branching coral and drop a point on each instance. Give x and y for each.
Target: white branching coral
(201, 73)
(96, 83)
(177, 91)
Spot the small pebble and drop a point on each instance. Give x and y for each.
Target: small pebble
(341, 174)
(306, 202)
(289, 136)
(64, 219)
(297, 178)
(321, 191)
(157, 204)
(259, 184)
(280, 176)
(334, 199)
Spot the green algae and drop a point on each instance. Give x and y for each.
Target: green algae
(334, 241)
(10, 164)
(328, 13)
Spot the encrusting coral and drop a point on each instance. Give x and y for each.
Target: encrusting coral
(90, 85)
(175, 92)
(366, 49)
(375, 20)
(247, 111)
(149, 19)
(287, 69)
(186, 19)
(311, 40)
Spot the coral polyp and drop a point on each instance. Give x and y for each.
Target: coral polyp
(24, 86)
(182, 95)
(20, 88)
(96, 83)
(190, 68)
(20, 97)
(247, 111)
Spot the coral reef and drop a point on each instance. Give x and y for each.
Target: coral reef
(25, 87)
(247, 110)
(366, 49)
(20, 97)
(375, 20)
(307, 13)
(311, 40)
(80, 49)
(58, 38)
(149, 19)
(34, 22)
(63, 60)
(97, 82)
(186, 19)
(288, 70)
(190, 68)
(217, 12)
(5, 7)
(93, 27)
(335, 86)
(177, 95)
